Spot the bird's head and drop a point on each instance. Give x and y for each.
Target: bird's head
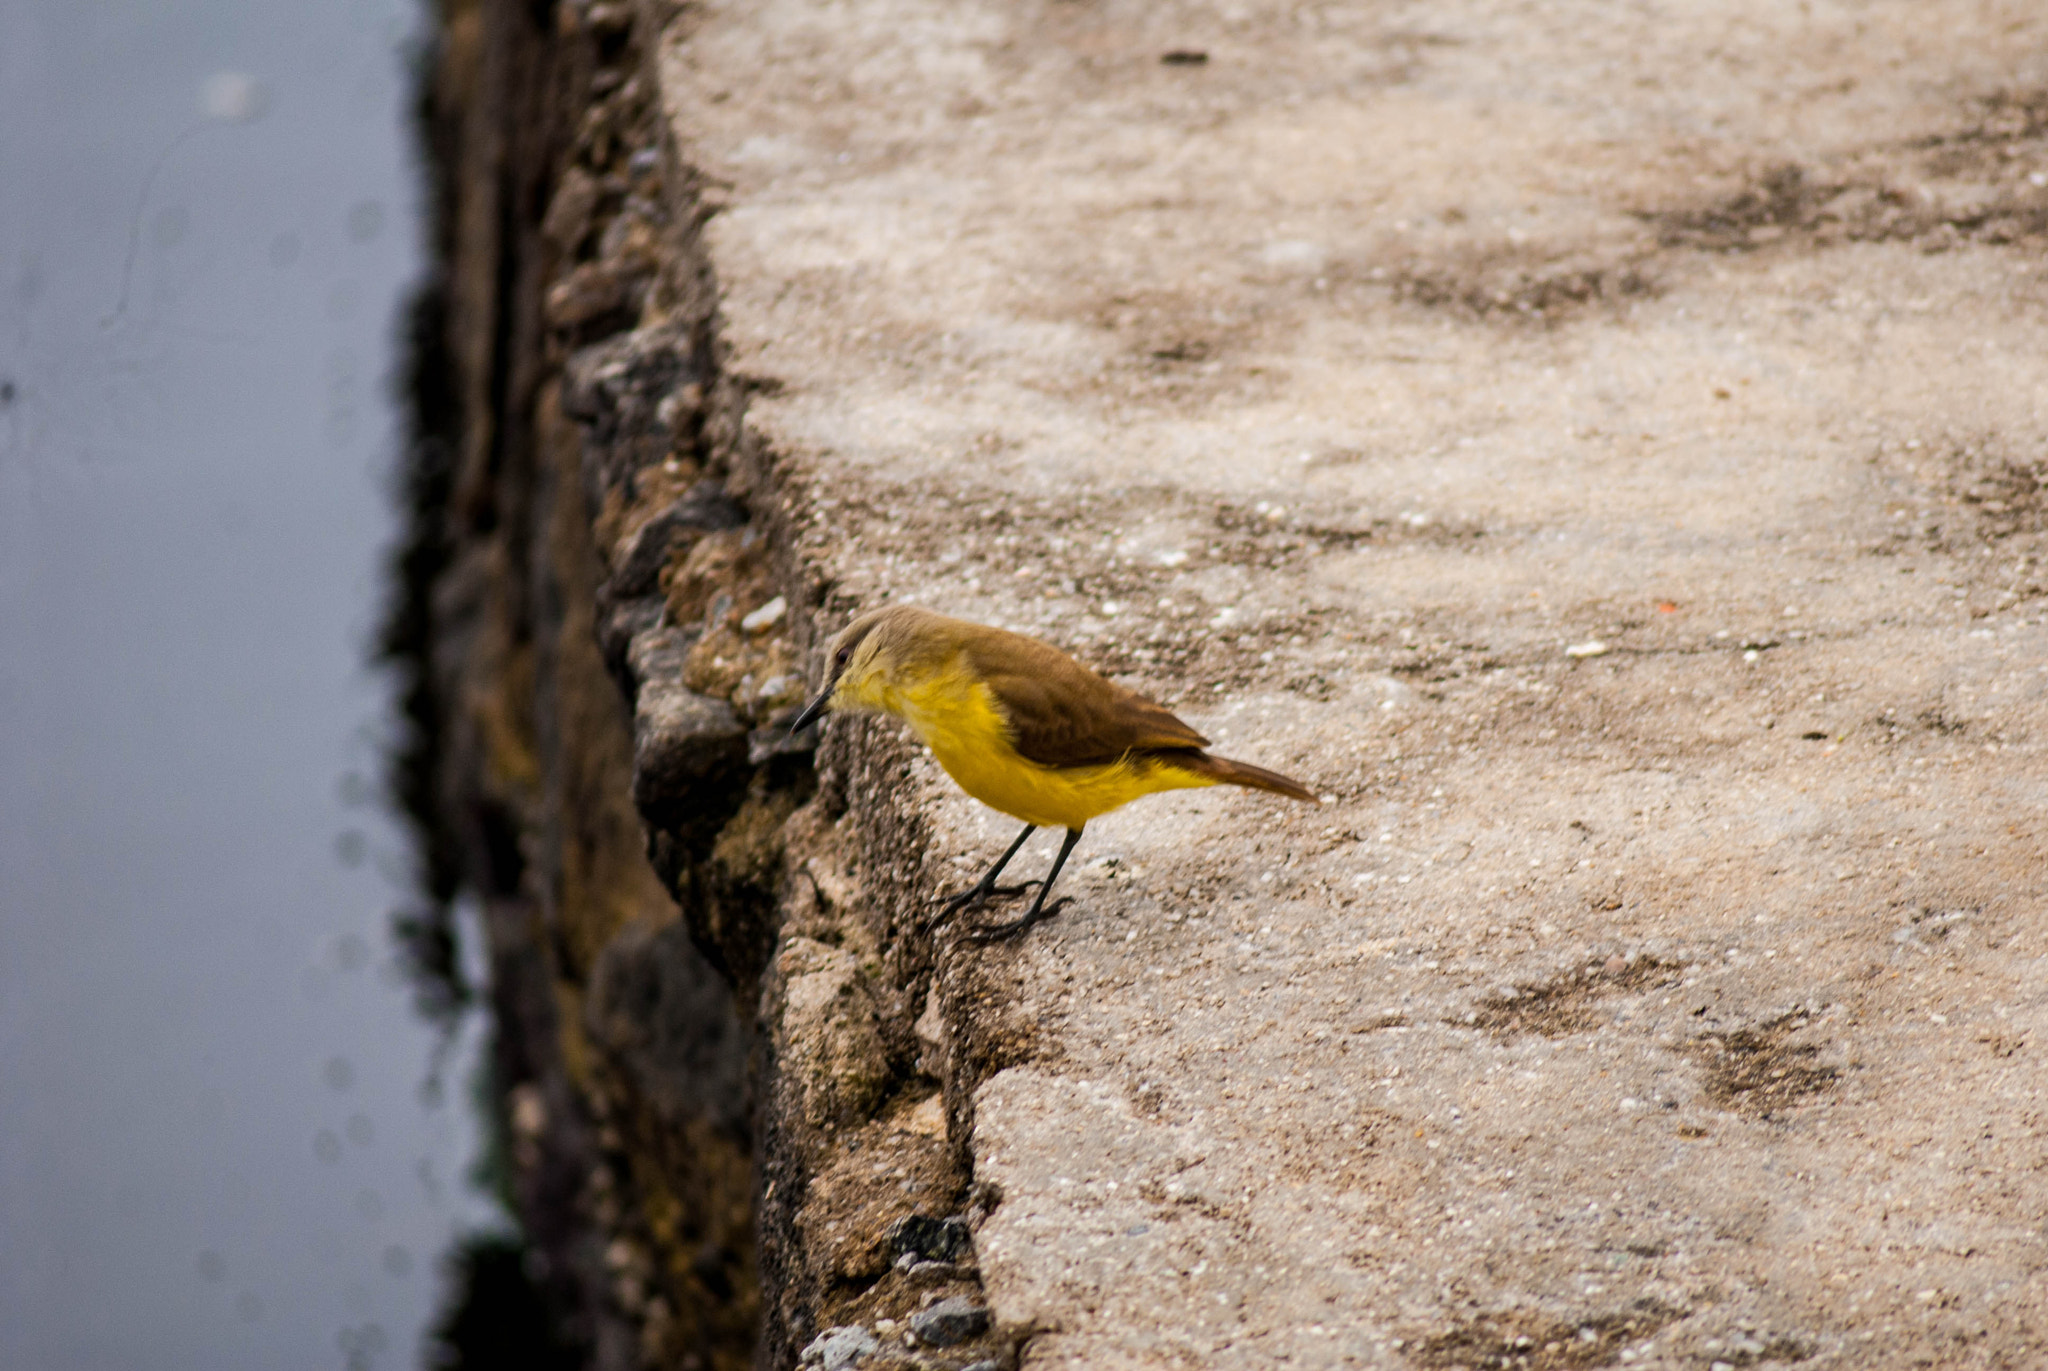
(866, 657)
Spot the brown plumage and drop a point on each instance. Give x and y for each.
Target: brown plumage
(1062, 714)
(1230, 772)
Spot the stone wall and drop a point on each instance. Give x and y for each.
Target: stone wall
(721, 1130)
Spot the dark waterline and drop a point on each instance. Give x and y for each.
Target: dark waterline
(216, 1150)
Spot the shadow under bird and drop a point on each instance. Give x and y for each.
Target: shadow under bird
(1024, 728)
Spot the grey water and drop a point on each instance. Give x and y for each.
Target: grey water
(215, 1149)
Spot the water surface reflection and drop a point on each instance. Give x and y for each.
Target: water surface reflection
(217, 1150)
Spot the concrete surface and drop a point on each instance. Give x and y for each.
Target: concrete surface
(1600, 446)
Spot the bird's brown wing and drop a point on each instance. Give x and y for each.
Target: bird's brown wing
(1063, 714)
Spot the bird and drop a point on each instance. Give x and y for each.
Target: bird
(1023, 728)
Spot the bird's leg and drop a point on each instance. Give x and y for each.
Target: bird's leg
(1039, 911)
(987, 886)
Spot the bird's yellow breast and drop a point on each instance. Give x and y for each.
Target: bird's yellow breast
(957, 716)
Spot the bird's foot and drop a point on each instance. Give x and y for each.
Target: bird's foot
(1002, 933)
(972, 898)
(976, 896)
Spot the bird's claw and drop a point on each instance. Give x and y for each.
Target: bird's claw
(1001, 933)
(976, 896)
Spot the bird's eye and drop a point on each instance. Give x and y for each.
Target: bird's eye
(845, 655)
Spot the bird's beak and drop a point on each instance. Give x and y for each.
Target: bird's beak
(811, 711)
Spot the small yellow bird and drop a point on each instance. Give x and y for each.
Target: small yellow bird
(1023, 727)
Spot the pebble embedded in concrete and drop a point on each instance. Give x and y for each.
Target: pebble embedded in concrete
(766, 617)
(838, 1348)
(949, 1322)
(923, 1238)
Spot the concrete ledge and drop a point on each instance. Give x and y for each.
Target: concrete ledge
(1564, 436)
(1599, 448)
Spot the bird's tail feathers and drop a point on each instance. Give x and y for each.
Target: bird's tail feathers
(1228, 772)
